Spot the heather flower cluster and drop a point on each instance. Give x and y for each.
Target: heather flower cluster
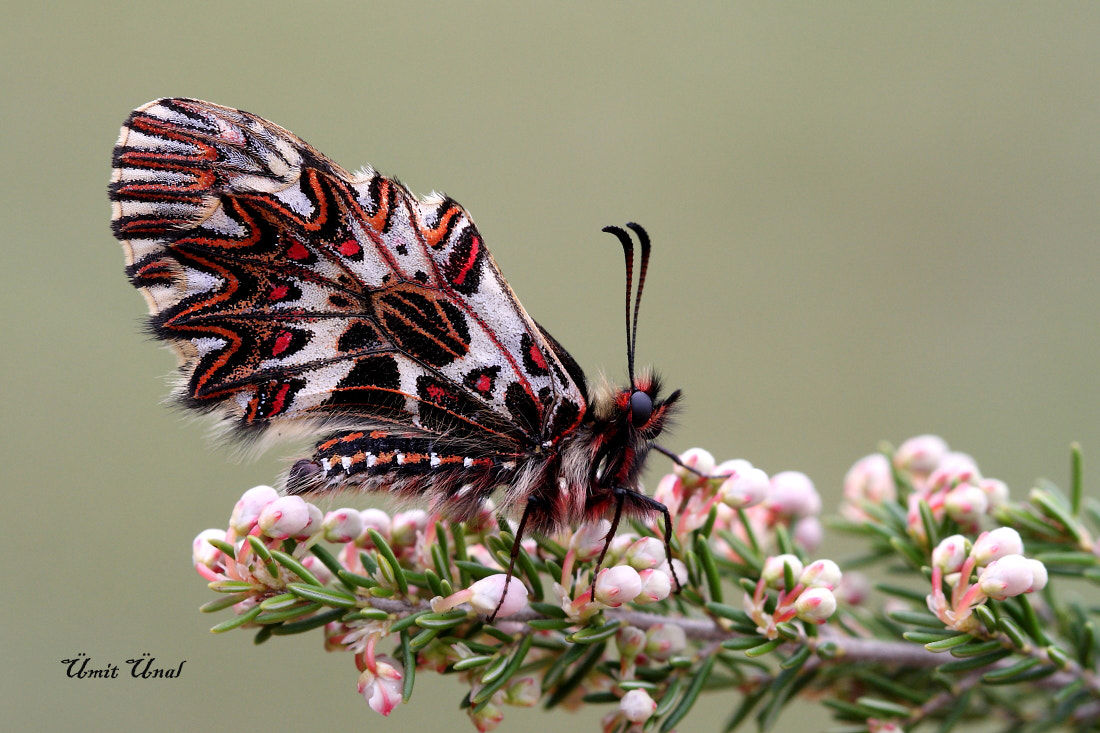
(409, 593)
(947, 482)
(992, 567)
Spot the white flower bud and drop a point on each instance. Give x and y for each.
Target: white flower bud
(815, 605)
(921, 455)
(382, 686)
(1038, 576)
(821, 574)
(870, 479)
(664, 641)
(950, 554)
(773, 573)
(747, 486)
(697, 458)
(406, 525)
(523, 692)
(285, 517)
(631, 641)
(792, 494)
(637, 706)
(648, 552)
(618, 585)
(965, 503)
(248, 508)
(656, 585)
(997, 543)
(808, 533)
(377, 520)
(342, 525)
(204, 553)
(486, 595)
(313, 526)
(589, 540)
(1007, 576)
(995, 490)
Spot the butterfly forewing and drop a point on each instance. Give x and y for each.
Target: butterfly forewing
(294, 291)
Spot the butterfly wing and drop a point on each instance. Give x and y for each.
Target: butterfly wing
(297, 294)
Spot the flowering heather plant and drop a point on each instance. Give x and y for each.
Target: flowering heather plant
(967, 626)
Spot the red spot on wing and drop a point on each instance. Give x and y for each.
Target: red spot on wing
(350, 248)
(279, 402)
(437, 393)
(282, 341)
(483, 383)
(278, 292)
(536, 356)
(298, 251)
(475, 247)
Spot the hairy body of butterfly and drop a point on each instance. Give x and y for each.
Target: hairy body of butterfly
(299, 297)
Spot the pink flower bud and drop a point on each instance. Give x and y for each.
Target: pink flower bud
(1008, 576)
(618, 585)
(697, 458)
(342, 525)
(996, 543)
(774, 574)
(855, 588)
(637, 706)
(670, 492)
(648, 552)
(382, 685)
(656, 585)
(248, 508)
(815, 605)
(676, 571)
(951, 553)
(821, 574)
(792, 494)
(486, 593)
(954, 468)
(377, 520)
(1038, 576)
(808, 533)
(523, 692)
(870, 479)
(406, 526)
(284, 517)
(589, 539)
(995, 490)
(487, 718)
(664, 641)
(620, 545)
(745, 487)
(313, 526)
(631, 641)
(921, 455)
(318, 568)
(205, 554)
(965, 503)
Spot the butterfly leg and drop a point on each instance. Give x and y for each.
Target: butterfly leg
(528, 510)
(620, 498)
(647, 504)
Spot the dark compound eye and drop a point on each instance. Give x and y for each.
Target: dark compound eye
(641, 407)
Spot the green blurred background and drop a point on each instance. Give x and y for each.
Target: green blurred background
(871, 220)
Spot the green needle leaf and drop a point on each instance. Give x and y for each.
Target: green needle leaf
(386, 551)
(690, 695)
(295, 567)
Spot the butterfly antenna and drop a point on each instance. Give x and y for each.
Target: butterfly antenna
(643, 239)
(628, 255)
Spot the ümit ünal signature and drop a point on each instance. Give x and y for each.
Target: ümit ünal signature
(140, 668)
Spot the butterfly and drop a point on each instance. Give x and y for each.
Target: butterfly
(302, 299)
